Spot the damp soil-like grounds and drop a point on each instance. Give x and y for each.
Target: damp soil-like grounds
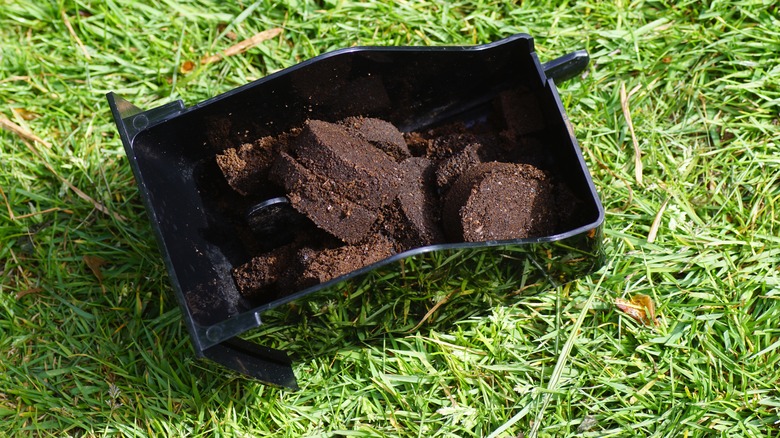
(364, 191)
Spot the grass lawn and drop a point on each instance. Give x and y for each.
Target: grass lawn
(693, 219)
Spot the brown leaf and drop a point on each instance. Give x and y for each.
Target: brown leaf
(243, 45)
(34, 290)
(653, 233)
(647, 303)
(627, 114)
(641, 308)
(94, 263)
(186, 67)
(433, 309)
(24, 114)
(22, 131)
(74, 35)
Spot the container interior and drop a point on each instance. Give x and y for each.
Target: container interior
(201, 219)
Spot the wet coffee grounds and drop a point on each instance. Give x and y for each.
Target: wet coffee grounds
(370, 191)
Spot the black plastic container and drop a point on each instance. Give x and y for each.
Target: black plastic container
(172, 152)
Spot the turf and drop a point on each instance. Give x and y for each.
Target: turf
(696, 230)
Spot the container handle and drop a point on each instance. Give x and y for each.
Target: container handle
(270, 366)
(567, 66)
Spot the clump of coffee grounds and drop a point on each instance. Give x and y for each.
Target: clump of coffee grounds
(298, 265)
(372, 191)
(246, 167)
(524, 208)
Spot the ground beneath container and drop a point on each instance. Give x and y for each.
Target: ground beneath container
(368, 191)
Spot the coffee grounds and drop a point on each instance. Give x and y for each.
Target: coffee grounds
(246, 167)
(382, 135)
(519, 123)
(450, 168)
(500, 201)
(413, 219)
(319, 266)
(361, 172)
(319, 199)
(263, 272)
(445, 144)
(378, 191)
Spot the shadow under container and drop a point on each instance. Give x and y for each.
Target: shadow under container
(172, 150)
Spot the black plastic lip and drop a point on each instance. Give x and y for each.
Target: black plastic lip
(131, 121)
